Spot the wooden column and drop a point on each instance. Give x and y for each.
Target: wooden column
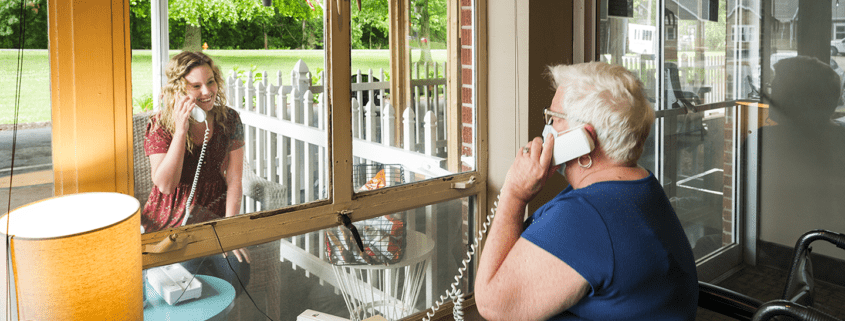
(338, 59)
(91, 93)
(400, 76)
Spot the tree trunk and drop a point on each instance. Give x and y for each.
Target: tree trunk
(425, 31)
(193, 38)
(304, 43)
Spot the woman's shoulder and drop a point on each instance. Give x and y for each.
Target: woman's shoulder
(155, 125)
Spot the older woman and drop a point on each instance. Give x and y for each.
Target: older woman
(609, 246)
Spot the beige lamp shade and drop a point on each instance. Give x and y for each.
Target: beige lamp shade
(77, 257)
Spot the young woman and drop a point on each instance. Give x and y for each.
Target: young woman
(174, 143)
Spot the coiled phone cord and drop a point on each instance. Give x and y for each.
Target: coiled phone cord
(196, 176)
(455, 293)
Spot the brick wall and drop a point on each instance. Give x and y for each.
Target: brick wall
(467, 107)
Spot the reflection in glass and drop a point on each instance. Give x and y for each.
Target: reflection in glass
(314, 271)
(195, 147)
(399, 96)
(278, 95)
(802, 138)
(692, 152)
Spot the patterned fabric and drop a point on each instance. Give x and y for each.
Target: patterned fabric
(164, 211)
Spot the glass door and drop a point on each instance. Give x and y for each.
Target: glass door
(683, 55)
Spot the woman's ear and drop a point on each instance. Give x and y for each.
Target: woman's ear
(593, 135)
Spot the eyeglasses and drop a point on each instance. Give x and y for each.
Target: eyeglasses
(548, 114)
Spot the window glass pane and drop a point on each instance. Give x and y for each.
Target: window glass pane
(803, 79)
(691, 153)
(697, 176)
(33, 172)
(416, 254)
(271, 69)
(401, 120)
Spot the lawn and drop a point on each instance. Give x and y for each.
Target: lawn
(35, 84)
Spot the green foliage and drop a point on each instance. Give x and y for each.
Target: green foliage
(430, 14)
(143, 103)
(316, 75)
(35, 24)
(193, 12)
(370, 25)
(140, 28)
(243, 75)
(287, 24)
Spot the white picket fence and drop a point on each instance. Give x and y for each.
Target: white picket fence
(286, 141)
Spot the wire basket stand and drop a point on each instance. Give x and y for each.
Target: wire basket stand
(387, 290)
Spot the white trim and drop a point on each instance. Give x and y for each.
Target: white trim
(160, 47)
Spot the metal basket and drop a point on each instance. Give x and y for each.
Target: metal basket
(394, 174)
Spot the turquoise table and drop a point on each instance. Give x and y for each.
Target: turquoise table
(215, 301)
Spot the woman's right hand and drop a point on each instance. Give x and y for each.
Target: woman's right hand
(182, 112)
(530, 170)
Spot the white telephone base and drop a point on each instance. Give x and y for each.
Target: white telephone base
(171, 281)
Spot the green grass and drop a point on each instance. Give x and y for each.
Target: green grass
(35, 85)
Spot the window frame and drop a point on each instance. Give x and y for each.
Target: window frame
(260, 227)
(75, 109)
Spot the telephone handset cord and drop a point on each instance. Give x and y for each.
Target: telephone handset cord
(455, 293)
(196, 177)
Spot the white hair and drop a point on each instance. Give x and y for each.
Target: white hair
(612, 100)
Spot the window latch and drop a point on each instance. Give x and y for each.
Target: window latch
(465, 184)
(171, 243)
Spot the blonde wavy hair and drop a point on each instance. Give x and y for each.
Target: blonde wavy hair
(610, 98)
(178, 67)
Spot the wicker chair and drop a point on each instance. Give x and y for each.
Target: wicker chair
(143, 178)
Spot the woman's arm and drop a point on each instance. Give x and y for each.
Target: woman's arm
(518, 280)
(234, 193)
(234, 189)
(166, 169)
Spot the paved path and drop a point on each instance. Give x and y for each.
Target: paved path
(33, 174)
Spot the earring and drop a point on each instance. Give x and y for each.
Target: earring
(588, 165)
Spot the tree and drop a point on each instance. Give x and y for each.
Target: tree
(430, 17)
(370, 24)
(195, 12)
(297, 10)
(35, 24)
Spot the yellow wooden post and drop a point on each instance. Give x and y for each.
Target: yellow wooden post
(91, 93)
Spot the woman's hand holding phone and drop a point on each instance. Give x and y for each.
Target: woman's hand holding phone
(530, 170)
(182, 112)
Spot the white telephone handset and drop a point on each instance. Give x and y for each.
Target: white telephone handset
(198, 114)
(573, 143)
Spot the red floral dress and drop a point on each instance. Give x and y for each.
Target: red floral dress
(164, 211)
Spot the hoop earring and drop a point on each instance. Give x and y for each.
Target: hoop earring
(588, 165)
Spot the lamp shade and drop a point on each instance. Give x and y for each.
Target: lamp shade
(77, 257)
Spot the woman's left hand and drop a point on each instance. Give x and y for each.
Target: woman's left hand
(242, 254)
(530, 170)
